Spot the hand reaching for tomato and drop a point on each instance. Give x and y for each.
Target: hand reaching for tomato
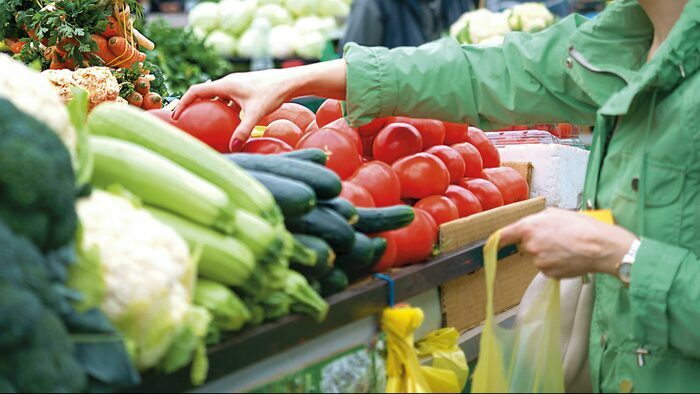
(262, 92)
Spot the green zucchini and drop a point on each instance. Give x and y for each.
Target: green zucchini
(380, 245)
(377, 220)
(293, 197)
(333, 282)
(342, 207)
(324, 256)
(313, 155)
(326, 224)
(136, 126)
(323, 181)
(360, 258)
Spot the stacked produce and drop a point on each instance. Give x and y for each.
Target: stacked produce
(486, 27)
(374, 175)
(298, 27)
(91, 37)
(51, 340)
(228, 219)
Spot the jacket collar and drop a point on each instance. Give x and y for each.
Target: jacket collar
(618, 41)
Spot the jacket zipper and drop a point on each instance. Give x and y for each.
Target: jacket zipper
(580, 59)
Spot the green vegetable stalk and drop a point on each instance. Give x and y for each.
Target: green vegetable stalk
(230, 313)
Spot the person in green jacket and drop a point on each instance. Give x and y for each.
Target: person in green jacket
(633, 73)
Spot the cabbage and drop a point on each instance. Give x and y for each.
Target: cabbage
(310, 45)
(301, 8)
(205, 16)
(199, 33)
(277, 15)
(236, 15)
(246, 45)
(282, 41)
(223, 43)
(335, 8)
(310, 24)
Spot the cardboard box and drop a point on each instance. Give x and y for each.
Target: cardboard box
(464, 299)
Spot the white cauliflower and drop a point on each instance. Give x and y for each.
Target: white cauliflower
(147, 270)
(530, 17)
(34, 95)
(481, 27)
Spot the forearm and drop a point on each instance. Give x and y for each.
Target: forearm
(325, 79)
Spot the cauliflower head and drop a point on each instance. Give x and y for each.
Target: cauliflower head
(35, 96)
(147, 270)
(530, 17)
(99, 82)
(481, 27)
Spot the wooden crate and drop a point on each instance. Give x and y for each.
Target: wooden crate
(464, 299)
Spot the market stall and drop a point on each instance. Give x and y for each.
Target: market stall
(180, 266)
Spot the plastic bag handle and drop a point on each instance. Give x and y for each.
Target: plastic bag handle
(490, 263)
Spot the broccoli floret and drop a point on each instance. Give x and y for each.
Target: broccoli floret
(46, 363)
(37, 185)
(20, 310)
(22, 264)
(6, 387)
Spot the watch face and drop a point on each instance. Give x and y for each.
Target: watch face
(625, 272)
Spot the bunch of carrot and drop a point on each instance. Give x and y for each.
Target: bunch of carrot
(142, 97)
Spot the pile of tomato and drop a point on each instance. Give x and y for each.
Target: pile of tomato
(446, 171)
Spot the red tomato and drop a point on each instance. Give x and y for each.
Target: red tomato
(210, 121)
(395, 141)
(489, 154)
(432, 131)
(373, 127)
(455, 133)
(329, 111)
(452, 159)
(389, 258)
(488, 194)
(311, 127)
(284, 130)
(421, 175)
(473, 165)
(564, 131)
(380, 180)
(266, 146)
(441, 208)
(466, 201)
(416, 242)
(357, 195)
(341, 150)
(342, 126)
(512, 185)
(297, 113)
(164, 115)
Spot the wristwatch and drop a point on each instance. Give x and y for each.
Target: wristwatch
(624, 267)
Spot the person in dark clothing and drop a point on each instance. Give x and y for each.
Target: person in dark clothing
(396, 23)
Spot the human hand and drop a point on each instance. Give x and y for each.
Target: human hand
(566, 244)
(257, 93)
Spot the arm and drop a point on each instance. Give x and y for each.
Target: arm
(522, 81)
(664, 294)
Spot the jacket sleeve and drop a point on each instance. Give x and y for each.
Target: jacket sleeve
(665, 297)
(522, 81)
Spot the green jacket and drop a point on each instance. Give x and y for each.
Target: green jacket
(644, 165)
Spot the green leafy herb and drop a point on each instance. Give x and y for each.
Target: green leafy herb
(183, 57)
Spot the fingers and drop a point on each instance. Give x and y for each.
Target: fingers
(203, 91)
(512, 234)
(242, 133)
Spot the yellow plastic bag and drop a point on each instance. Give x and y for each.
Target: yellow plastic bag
(405, 374)
(527, 357)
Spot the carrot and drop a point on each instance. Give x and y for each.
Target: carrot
(113, 28)
(140, 57)
(103, 51)
(152, 101)
(125, 52)
(143, 85)
(15, 45)
(135, 99)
